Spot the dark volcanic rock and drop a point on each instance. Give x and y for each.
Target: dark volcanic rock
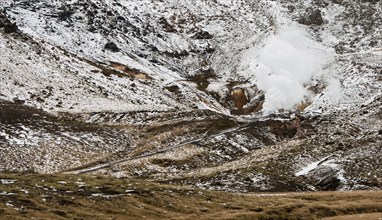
(65, 14)
(9, 27)
(173, 88)
(330, 182)
(326, 178)
(166, 26)
(202, 35)
(112, 47)
(337, 1)
(313, 17)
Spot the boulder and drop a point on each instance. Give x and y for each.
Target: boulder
(312, 17)
(326, 177)
(166, 26)
(329, 182)
(202, 35)
(112, 47)
(10, 28)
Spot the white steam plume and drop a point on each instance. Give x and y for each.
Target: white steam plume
(287, 61)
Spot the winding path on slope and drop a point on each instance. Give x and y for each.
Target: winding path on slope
(169, 148)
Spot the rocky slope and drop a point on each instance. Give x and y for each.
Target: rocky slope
(229, 95)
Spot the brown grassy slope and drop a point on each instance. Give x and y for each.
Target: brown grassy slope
(95, 197)
(368, 216)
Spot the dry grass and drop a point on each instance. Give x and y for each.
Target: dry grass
(130, 72)
(369, 216)
(109, 198)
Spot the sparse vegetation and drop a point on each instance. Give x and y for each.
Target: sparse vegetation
(26, 196)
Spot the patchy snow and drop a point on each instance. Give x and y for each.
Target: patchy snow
(7, 181)
(270, 194)
(7, 194)
(60, 65)
(305, 170)
(268, 50)
(218, 87)
(106, 196)
(24, 191)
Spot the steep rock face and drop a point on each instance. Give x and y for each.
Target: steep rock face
(175, 92)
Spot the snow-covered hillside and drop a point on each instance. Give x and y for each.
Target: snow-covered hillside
(296, 78)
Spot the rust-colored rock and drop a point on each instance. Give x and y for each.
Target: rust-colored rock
(303, 105)
(130, 72)
(239, 97)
